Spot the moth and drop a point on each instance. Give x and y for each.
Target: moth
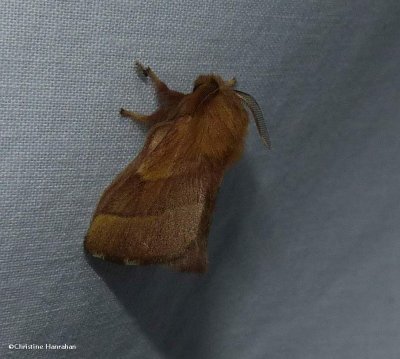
(158, 209)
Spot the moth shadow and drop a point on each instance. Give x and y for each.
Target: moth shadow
(175, 310)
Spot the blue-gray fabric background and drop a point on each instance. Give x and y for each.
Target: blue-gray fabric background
(304, 246)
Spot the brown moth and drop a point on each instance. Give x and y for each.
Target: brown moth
(158, 210)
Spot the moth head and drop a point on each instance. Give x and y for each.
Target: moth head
(255, 109)
(212, 80)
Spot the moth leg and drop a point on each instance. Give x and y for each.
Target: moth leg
(133, 115)
(154, 117)
(164, 94)
(148, 72)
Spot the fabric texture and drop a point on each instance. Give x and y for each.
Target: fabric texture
(304, 246)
